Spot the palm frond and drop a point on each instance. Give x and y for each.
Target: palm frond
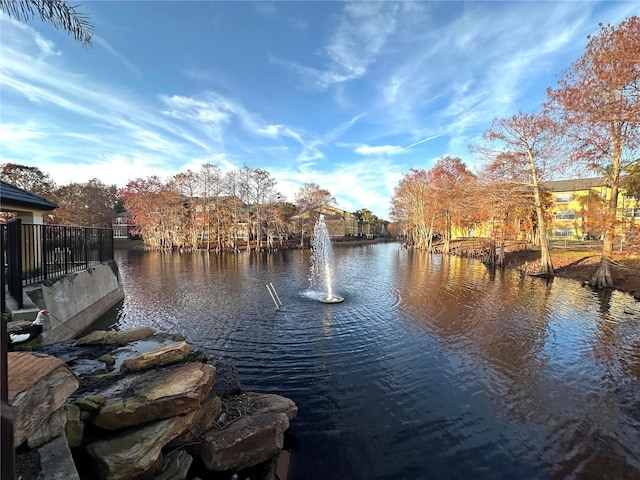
(57, 12)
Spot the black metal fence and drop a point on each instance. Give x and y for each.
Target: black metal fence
(33, 253)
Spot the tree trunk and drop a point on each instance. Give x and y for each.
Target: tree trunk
(500, 254)
(447, 233)
(491, 256)
(430, 240)
(602, 277)
(546, 267)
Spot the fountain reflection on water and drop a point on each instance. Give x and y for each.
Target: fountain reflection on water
(321, 271)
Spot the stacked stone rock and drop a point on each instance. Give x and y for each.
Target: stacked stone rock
(141, 404)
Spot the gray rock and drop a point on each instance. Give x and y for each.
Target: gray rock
(48, 430)
(266, 402)
(227, 377)
(135, 451)
(56, 461)
(74, 428)
(248, 441)
(165, 355)
(155, 394)
(175, 466)
(112, 337)
(85, 366)
(38, 386)
(204, 418)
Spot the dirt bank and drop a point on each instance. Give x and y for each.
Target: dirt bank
(581, 266)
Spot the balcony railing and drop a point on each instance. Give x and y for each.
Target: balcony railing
(34, 253)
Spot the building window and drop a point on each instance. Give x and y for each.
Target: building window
(118, 233)
(566, 215)
(564, 232)
(631, 212)
(564, 197)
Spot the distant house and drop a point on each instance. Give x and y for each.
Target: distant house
(122, 225)
(20, 204)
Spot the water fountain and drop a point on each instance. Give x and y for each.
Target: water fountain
(321, 274)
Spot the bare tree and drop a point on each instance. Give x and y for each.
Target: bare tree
(505, 196)
(449, 181)
(526, 143)
(411, 206)
(310, 198)
(187, 184)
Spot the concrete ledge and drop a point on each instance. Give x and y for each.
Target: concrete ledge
(77, 300)
(29, 310)
(56, 461)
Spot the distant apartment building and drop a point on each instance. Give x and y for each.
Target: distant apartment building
(577, 207)
(574, 212)
(340, 223)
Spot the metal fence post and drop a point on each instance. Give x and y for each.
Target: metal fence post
(7, 411)
(43, 241)
(85, 249)
(14, 259)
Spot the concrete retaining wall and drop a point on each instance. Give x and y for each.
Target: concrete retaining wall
(77, 300)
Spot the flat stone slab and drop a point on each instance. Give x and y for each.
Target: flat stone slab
(135, 451)
(246, 442)
(56, 460)
(209, 411)
(141, 398)
(38, 386)
(166, 355)
(248, 432)
(111, 337)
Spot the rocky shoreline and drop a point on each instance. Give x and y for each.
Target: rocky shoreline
(140, 404)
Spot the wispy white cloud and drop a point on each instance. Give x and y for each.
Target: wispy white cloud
(277, 131)
(354, 43)
(18, 132)
(47, 47)
(390, 150)
(98, 40)
(471, 69)
(355, 184)
(379, 150)
(267, 9)
(343, 128)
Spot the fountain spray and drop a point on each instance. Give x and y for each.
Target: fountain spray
(321, 275)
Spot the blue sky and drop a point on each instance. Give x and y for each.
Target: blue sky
(347, 95)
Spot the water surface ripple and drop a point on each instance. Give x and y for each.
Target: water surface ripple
(433, 367)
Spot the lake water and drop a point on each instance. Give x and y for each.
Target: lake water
(432, 367)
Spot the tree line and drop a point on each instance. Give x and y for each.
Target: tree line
(590, 122)
(90, 204)
(203, 209)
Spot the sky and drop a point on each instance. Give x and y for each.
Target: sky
(349, 96)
